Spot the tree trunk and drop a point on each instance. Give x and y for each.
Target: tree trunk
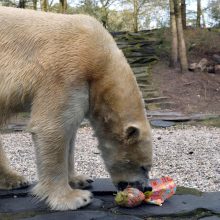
(21, 4)
(104, 17)
(199, 13)
(63, 6)
(183, 13)
(174, 46)
(181, 40)
(44, 5)
(35, 4)
(203, 20)
(135, 16)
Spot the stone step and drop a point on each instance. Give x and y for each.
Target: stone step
(139, 54)
(145, 50)
(148, 89)
(116, 34)
(145, 86)
(14, 127)
(164, 113)
(159, 105)
(139, 64)
(149, 59)
(144, 81)
(139, 49)
(147, 94)
(142, 63)
(176, 119)
(187, 203)
(140, 69)
(156, 100)
(153, 106)
(142, 75)
(161, 123)
(122, 33)
(167, 105)
(122, 47)
(178, 116)
(129, 42)
(141, 33)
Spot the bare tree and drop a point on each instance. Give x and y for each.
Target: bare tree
(137, 6)
(105, 4)
(180, 35)
(22, 4)
(63, 6)
(135, 15)
(183, 13)
(203, 20)
(174, 46)
(44, 5)
(35, 4)
(178, 41)
(199, 13)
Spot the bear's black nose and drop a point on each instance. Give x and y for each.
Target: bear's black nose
(122, 185)
(139, 185)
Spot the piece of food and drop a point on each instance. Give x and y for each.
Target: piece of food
(162, 189)
(130, 197)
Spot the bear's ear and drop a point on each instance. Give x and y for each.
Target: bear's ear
(132, 133)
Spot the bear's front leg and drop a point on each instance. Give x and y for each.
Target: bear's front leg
(57, 112)
(76, 181)
(9, 179)
(52, 148)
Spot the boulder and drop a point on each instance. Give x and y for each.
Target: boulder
(217, 69)
(202, 64)
(216, 58)
(193, 67)
(211, 69)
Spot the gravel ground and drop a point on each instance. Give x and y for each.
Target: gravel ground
(191, 155)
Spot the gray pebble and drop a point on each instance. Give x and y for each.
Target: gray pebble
(171, 155)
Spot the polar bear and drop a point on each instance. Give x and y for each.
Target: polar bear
(65, 68)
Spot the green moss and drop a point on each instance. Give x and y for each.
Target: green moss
(181, 190)
(17, 216)
(153, 106)
(195, 215)
(215, 122)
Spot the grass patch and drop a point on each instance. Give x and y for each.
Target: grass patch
(215, 122)
(181, 190)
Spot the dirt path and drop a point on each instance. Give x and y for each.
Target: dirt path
(191, 92)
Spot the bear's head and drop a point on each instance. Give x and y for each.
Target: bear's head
(128, 158)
